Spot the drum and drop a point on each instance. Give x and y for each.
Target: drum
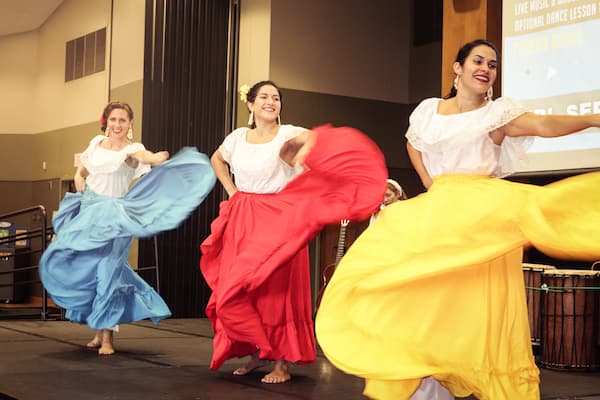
(570, 320)
(532, 275)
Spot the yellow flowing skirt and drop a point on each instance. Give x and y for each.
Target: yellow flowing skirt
(435, 287)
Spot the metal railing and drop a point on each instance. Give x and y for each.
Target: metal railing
(43, 232)
(154, 267)
(9, 242)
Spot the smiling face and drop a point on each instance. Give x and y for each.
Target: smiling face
(266, 106)
(118, 123)
(478, 71)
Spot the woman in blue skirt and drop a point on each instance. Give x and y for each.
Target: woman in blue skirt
(85, 268)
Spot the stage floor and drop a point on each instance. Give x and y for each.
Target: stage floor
(48, 360)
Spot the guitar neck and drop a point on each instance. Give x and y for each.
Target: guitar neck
(341, 244)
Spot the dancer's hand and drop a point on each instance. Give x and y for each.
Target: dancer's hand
(309, 142)
(79, 183)
(295, 150)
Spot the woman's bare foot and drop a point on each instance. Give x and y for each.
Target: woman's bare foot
(279, 374)
(107, 347)
(253, 364)
(96, 341)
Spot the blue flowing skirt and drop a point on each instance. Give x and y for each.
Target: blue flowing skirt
(85, 269)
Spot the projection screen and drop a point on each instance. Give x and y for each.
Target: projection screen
(551, 63)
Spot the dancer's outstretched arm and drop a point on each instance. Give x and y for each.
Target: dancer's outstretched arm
(147, 157)
(530, 124)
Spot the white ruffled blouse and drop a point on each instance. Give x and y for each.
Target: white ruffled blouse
(460, 143)
(257, 168)
(109, 174)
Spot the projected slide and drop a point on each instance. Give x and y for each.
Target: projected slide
(551, 63)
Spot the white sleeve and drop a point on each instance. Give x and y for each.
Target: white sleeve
(85, 156)
(504, 111)
(291, 131)
(420, 115)
(512, 149)
(227, 147)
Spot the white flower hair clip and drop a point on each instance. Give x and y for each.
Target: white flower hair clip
(244, 89)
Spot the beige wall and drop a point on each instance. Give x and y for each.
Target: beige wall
(127, 64)
(61, 104)
(61, 117)
(127, 61)
(364, 52)
(255, 38)
(351, 48)
(18, 77)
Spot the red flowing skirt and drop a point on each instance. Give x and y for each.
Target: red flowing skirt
(256, 259)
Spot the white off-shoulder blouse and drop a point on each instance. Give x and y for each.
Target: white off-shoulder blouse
(109, 174)
(460, 143)
(257, 168)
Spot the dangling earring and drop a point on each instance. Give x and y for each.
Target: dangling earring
(130, 134)
(279, 119)
(251, 118)
(456, 82)
(106, 131)
(489, 93)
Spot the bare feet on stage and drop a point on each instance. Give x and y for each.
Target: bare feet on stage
(96, 341)
(279, 374)
(253, 364)
(103, 341)
(107, 347)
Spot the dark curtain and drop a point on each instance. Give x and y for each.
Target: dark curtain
(188, 69)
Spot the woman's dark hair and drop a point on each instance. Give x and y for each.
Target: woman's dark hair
(464, 52)
(114, 105)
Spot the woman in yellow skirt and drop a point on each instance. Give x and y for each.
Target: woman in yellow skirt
(429, 302)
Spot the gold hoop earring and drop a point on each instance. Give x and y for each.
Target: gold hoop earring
(130, 134)
(251, 118)
(456, 82)
(279, 119)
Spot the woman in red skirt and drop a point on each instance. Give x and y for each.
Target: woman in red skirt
(256, 258)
